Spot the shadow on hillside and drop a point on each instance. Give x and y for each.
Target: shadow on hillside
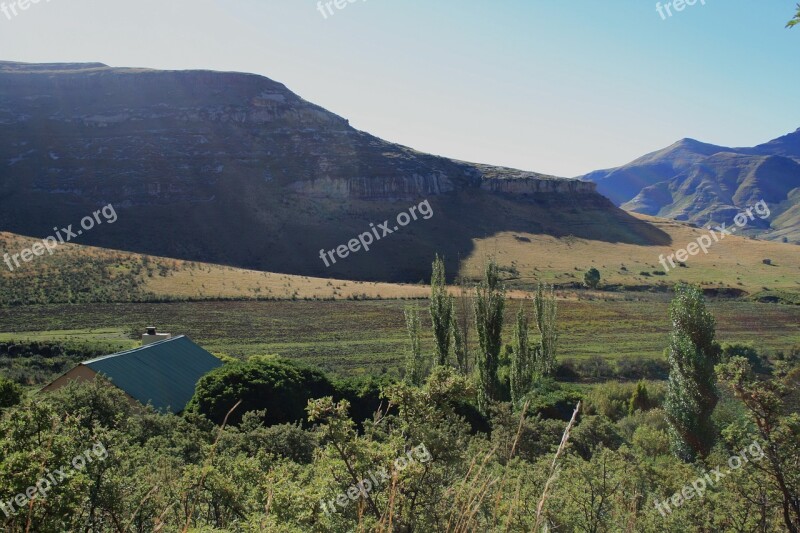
(287, 235)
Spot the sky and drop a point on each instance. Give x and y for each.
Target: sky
(553, 86)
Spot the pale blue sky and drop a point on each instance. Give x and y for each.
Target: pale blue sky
(561, 87)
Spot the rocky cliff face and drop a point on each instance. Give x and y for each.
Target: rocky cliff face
(533, 186)
(415, 186)
(396, 188)
(159, 137)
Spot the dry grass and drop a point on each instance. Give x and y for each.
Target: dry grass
(735, 262)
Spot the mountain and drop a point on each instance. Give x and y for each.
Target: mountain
(623, 183)
(706, 184)
(236, 169)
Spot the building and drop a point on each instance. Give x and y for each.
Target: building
(164, 371)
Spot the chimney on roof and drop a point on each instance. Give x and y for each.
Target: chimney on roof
(152, 336)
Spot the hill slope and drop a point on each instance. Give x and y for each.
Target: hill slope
(79, 274)
(235, 169)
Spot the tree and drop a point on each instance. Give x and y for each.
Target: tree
(778, 429)
(490, 298)
(796, 20)
(416, 367)
(10, 393)
(592, 278)
(276, 385)
(441, 312)
(545, 312)
(460, 325)
(640, 399)
(522, 363)
(691, 390)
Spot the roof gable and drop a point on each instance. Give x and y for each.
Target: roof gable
(163, 373)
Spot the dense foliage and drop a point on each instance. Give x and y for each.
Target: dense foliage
(269, 445)
(692, 393)
(278, 387)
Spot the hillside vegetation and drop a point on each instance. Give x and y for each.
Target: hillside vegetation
(86, 274)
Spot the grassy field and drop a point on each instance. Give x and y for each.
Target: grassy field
(350, 327)
(356, 337)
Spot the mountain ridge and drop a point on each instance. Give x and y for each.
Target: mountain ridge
(708, 184)
(236, 169)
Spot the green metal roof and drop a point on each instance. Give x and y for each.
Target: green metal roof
(163, 373)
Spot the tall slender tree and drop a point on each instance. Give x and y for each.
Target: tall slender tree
(691, 391)
(545, 309)
(522, 363)
(490, 298)
(416, 365)
(461, 327)
(441, 308)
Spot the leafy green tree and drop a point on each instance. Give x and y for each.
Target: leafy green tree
(416, 365)
(10, 393)
(522, 363)
(691, 391)
(592, 278)
(640, 399)
(545, 309)
(278, 386)
(441, 307)
(461, 327)
(796, 20)
(490, 299)
(778, 429)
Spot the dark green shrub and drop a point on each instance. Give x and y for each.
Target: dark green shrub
(278, 386)
(759, 363)
(10, 393)
(593, 432)
(364, 394)
(640, 399)
(592, 278)
(552, 400)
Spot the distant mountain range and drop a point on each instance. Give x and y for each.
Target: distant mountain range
(707, 184)
(236, 169)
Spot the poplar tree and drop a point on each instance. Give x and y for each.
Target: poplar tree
(416, 367)
(522, 363)
(490, 298)
(441, 308)
(545, 313)
(691, 390)
(461, 326)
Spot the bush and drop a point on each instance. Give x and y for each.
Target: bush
(566, 371)
(593, 432)
(10, 393)
(290, 441)
(592, 278)
(595, 368)
(276, 385)
(636, 368)
(640, 399)
(759, 363)
(364, 395)
(552, 400)
(610, 399)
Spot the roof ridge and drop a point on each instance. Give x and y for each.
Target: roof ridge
(133, 350)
